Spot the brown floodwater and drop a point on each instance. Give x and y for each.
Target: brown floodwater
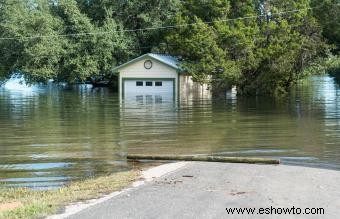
(52, 134)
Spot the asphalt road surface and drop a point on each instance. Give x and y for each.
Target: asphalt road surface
(206, 190)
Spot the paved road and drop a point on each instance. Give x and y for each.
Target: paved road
(205, 190)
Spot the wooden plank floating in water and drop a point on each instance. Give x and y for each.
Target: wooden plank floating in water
(250, 160)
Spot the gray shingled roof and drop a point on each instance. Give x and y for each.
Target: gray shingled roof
(166, 59)
(163, 58)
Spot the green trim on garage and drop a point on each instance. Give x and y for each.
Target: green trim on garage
(151, 79)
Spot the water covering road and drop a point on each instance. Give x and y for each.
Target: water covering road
(51, 134)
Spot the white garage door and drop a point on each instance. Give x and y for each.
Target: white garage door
(157, 88)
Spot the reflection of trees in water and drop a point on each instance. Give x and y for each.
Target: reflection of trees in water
(262, 126)
(90, 129)
(336, 78)
(293, 126)
(78, 126)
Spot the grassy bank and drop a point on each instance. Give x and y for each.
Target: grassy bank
(37, 204)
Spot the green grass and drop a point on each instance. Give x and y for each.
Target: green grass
(37, 204)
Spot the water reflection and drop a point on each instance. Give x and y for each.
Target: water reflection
(17, 83)
(54, 134)
(146, 122)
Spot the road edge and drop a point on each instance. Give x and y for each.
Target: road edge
(146, 175)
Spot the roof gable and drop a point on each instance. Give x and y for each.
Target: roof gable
(168, 60)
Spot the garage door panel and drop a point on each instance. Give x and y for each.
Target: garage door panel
(133, 88)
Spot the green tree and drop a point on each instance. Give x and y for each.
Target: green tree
(55, 40)
(264, 52)
(328, 14)
(135, 15)
(289, 41)
(36, 57)
(197, 43)
(260, 46)
(92, 50)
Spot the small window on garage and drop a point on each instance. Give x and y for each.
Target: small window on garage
(158, 84)
(148, 83)
(139, 83)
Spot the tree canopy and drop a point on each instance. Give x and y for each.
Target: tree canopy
(328, 14)
(260, 46)
(263, 54)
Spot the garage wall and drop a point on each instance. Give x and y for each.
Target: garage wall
(190, 89)
(137, 70)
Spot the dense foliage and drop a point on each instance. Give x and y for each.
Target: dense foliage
(261, 46)
(328, 14)
(264, 54)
